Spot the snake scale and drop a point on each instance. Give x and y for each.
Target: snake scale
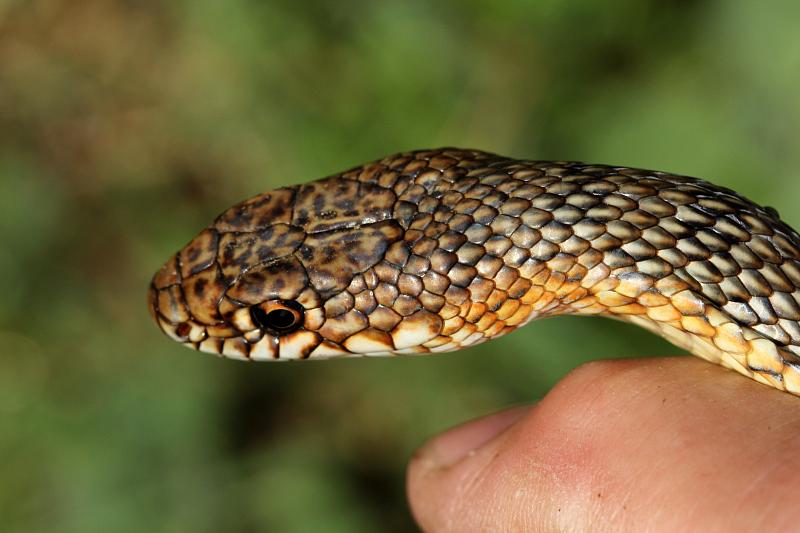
(435, 250)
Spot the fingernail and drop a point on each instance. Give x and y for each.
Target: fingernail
(462, 441)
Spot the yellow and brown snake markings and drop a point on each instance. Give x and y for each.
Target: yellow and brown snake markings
(436, 250)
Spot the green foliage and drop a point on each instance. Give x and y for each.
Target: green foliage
(126, 126)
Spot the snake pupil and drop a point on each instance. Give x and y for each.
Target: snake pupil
(280, 319)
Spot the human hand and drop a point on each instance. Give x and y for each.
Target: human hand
(670, 444)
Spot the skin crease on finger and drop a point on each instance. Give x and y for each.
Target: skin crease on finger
(637, 445)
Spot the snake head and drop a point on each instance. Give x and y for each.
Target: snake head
(292, 274)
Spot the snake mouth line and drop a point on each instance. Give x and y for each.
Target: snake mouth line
(248, 332)
(261, 345)
(258, 345)
(244, 340)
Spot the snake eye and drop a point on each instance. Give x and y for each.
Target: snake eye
(279, 317)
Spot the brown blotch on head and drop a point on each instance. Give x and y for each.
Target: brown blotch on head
(283, 279)
(199, 288)
(333, 258)
(258, 212)
(200, 253)
(239, 252)
(203, 292)
(337, 203)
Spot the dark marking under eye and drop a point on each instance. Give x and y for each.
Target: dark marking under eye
(183, 330)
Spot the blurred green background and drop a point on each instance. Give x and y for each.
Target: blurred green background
(126, 126)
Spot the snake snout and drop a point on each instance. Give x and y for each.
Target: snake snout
(167, 304)
(152, 296)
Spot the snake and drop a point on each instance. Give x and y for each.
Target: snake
(436, 250)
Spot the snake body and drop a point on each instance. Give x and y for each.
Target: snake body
(435, 250)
